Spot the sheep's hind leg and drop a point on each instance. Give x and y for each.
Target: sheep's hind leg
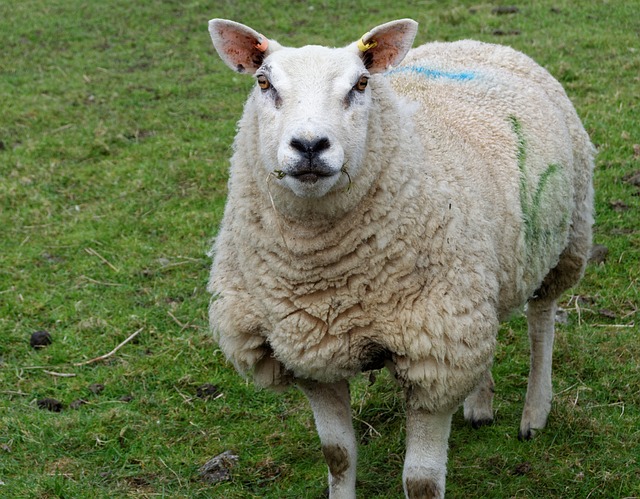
(540, 318)
(478, 406)
(425, 465)
(331, 407)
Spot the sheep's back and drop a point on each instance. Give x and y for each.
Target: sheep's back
(501, 130)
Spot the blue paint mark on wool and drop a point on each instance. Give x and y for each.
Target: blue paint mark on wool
(432, 73)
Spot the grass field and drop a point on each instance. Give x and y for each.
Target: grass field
(116, 120)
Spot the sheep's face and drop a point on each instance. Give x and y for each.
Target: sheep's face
(312, 106)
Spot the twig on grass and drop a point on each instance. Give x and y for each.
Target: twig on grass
(93, 252)
(174, 264)
(62, 128)
(578, 311)
(101, 283)
(182, 325)
(186, 398)
(175, 319)
(107, 355)
(371, 428)
(614, 404)
(171, 470)
(13, 392)
(59, 375)
(566, 389)
(580, 389)
(618, 326)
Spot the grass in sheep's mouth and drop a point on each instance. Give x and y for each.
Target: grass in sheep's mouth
(115, 136)
(346, 172)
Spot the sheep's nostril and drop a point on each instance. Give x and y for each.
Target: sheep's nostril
(310, 147)
(321, 145)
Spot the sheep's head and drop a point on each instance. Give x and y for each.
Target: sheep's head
(312, 102)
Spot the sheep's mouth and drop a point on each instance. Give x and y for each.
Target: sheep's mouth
(310, 176)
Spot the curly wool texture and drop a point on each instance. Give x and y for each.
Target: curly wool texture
(477, 167)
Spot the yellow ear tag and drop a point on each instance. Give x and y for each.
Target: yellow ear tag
(263, 44)
(363, 47)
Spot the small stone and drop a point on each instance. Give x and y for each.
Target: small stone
(96, 388)
(76, 404)
(505, 9)
(207, 391)
(522, 469)
(50, 404)
(217, 469)
(609, 314)
(619, 205)
(633, 178)
(40, 339)
(585, 301)
(500, 32)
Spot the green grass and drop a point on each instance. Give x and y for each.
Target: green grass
(115, 131)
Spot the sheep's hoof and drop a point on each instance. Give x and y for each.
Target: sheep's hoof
(479, 423)
(476, 414)
(532, 422)
(526, 434)
(423, 489)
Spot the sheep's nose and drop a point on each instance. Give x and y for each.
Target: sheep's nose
(310, 148)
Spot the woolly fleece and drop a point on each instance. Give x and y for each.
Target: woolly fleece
(476, 180)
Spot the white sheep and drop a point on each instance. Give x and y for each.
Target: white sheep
(390, 207)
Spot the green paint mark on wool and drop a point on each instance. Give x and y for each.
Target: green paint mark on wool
(530, 203)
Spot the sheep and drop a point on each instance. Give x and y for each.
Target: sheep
(388, 207)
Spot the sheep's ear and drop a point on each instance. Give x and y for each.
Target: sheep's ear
(387, 44)
(240, 47)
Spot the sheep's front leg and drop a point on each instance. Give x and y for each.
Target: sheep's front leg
(331, 407)
(425, 464)
(537, 405)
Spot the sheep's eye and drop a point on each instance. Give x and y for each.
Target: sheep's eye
(361, 84)
(263, 82)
